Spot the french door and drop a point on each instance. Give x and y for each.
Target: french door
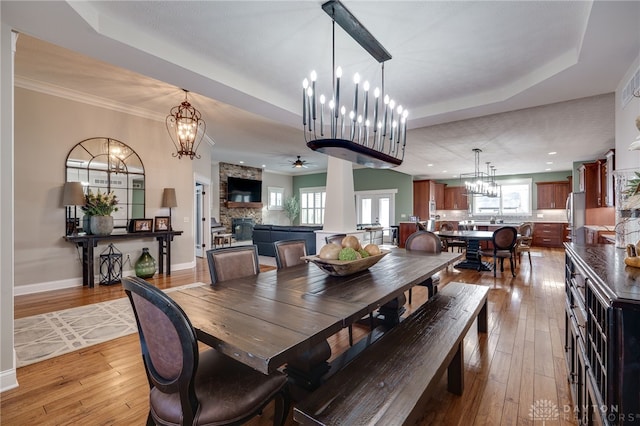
(376, 206)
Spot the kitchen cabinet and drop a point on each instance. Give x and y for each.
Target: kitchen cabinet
(425, 194)
(406, 229)
(455, 198)
(602, 328)
(552, 195)
(548, 234)
(592, 183)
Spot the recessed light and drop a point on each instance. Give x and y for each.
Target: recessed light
(430, 165)
(552, 153)
(444, 171)
(547, 170)
(264, 166)
(241, 162)
(549, 162)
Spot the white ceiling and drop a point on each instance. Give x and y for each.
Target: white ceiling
(517, 79)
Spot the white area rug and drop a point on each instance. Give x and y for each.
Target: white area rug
(45, 336)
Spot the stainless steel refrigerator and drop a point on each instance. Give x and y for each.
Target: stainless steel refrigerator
(576, 216)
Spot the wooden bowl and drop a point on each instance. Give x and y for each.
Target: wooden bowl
(345, 267)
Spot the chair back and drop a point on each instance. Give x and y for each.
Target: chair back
(526, 230)
(288, 253)
(233, 262)
(335, 239)
(168, 342)
(505, 238)
(423, 241)
(446, 226)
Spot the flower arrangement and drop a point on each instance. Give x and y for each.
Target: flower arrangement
(100, 204)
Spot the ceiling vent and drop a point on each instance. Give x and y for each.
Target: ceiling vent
(633, 86)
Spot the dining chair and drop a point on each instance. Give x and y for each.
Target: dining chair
(504, 241)
(335, 239)
(449, 243)
(232, 262)
(427, 242)
(188, 387)
(289, 252)
(525, 241)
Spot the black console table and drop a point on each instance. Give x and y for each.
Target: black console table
(88, 242)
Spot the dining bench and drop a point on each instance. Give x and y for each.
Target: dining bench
(389, 382)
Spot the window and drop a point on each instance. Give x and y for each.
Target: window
(312, 201)
(515, 200)
(275, 197)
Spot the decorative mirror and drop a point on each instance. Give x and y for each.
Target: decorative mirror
(107, 165)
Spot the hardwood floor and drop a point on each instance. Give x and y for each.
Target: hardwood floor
(518, 363)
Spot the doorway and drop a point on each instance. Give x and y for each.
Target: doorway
(377, 207)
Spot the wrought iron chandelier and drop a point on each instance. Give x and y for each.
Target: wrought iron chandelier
(371, 136)
(186, 128)
(479, 183)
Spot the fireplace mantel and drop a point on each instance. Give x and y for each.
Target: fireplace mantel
(237, 205)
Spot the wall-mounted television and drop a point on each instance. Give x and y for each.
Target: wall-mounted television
(244, 190)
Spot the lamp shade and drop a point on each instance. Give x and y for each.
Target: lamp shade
(169, 198)
(73, 195)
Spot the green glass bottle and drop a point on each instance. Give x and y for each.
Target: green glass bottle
(145, 265)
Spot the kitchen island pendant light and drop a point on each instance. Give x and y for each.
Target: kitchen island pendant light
(377, 142)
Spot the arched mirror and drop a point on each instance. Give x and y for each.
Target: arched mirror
(107, 165)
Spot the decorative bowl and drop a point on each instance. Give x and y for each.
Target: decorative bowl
(346, 267)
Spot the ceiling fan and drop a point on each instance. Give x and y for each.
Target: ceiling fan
(299, 163)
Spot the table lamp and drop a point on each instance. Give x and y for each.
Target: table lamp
(72, 195)
(169, 200)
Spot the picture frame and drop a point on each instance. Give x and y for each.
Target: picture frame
(162, 223)
(141, 225)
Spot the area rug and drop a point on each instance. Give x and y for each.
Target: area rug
(44, 336)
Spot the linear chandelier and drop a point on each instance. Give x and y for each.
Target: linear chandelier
(371, 136)
(186, 129)
(479, 183)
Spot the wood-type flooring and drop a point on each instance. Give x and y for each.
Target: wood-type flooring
(518, 363)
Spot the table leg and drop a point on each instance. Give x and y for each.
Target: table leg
(169, 238)
(473, 260)
(161, 254)
(87, 263)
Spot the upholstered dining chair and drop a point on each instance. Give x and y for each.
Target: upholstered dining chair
(525, 241)
(335, 239)
(232, 262)
(449, 243)
(289, 252)
(188, 387)
(504, 241)
(427, 242)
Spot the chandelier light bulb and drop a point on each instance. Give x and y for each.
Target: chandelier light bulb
(339, 72)
(386, 99)
(376, 92)
(314, 75)
(322, 99)
(305, 84)
(365, 86)
(392, 104)
(332, 104)
(343, 110)
(356, 78)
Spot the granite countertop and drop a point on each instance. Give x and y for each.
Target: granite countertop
(605, 264)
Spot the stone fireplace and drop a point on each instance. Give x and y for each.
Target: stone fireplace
(246, 216)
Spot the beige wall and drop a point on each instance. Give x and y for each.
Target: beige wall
(626, 130)
(46, 128)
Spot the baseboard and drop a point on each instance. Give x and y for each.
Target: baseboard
(9, 378)
(22, 290)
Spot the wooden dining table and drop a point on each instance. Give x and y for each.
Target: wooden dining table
(269, 319)
(473, 259)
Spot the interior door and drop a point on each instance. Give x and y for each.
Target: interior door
(199, 220)
(375, 207)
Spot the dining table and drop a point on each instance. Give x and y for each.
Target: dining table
(473, 257)
(269, 319)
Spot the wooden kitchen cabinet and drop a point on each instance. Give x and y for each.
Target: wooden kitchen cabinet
(591, 176)
(552, 195)
(424, 192)
(455, 198)
(548, 234)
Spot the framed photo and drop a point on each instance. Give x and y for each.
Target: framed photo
(141, 225)
(162, 223)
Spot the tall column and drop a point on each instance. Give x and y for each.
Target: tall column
(340, 205)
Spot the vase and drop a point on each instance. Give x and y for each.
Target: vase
(101, 225)
(145, 265)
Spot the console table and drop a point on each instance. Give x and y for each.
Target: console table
(88, 242)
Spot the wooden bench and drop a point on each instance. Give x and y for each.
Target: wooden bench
(221, 239)
(391, 380)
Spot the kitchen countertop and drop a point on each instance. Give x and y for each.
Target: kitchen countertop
(605, 264)
(601, 228)
(488, 223)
